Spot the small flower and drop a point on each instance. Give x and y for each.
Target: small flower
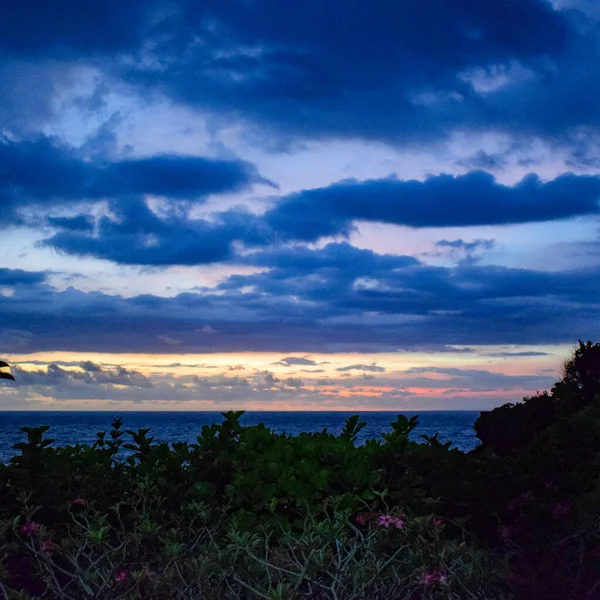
(385, 520)
(360, 520)
(48, 546)
(79, 501)
(438, 522)
(30, 528)
(436, 576)
(398, 523)
(561, 509)
(121, 575)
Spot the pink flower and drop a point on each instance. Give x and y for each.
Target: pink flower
(121, 575)
(80, 501)
(561, 509)
(398, 523)
(48, 546)
(438, 522)
(385, 520)
(360, 520)
(436, 576)
(29, 528)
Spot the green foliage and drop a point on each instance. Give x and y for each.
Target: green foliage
(243, 512)
(247, 513)
(205, 553)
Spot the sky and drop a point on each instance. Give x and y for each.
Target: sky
(316, 205)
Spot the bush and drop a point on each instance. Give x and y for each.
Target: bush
(205, 554)
(242, 513)
(247, 513)
(512, 426)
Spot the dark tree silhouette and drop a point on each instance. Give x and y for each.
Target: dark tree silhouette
(581, 373)
(513, 426)
(3, 374)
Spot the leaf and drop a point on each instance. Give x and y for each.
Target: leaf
(353, 427)
(6, 376)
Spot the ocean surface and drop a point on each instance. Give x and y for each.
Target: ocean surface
(68, 428)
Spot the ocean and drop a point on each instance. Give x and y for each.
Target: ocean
(71, 427)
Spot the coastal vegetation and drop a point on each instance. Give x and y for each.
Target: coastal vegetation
(247, 513)
(4, 374)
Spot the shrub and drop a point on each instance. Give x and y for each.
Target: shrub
(243, 512)
(247, 513)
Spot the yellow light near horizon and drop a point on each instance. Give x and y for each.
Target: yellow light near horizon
(250, 362)
(335, 388)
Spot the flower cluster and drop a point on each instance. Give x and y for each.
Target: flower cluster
(435, 576)
(29, 528)
(121, 575)
(388, 520)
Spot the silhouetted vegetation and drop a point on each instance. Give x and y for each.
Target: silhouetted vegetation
(4, 374)
(512, 426)
(247, 513)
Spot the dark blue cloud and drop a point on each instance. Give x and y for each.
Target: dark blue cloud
(384, 70)
(136, 235)
(41, 170)
(410, 307)
(20, 277)
(394, 71)
(314, 275)
(44, 172)
(422, 305)
(79, 223)
(385, 35)
(332, 257)
(475, 198)
(175, 176)
(38, 28)
(258, 321)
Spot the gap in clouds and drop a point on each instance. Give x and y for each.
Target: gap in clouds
(474, 378)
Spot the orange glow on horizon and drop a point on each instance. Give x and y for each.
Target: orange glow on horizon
(342, 381)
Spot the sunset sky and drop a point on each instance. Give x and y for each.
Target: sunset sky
(293, 205)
